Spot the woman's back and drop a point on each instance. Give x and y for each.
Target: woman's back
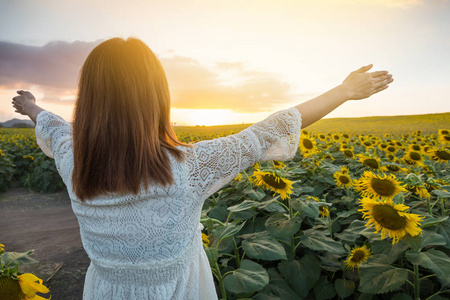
(148, 246)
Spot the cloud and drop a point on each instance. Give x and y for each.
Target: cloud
(53, 69)
(387, 3)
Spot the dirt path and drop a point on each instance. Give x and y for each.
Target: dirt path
(45, 223)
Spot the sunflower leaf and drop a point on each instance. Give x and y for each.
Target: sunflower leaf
(431, 238)
(380, 278)
(323, 289)
(265, 247)
(280, 226)
(436, 260)
(245, 205)
(431, 221)
(224, 232)
(302, 274)
(392, 251)
(277, 288)
(250, 277)
(317, 241)
(344, 287)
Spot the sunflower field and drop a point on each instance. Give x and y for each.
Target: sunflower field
(351, 216)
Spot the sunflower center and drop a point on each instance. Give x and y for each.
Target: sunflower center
(10, 289)
(358, 256)
(344, 179)
(274, 181)
(447, 137)
(383, 187)
(348, 153)
(414, 156)
(371, 163)
(390, 149)
(416, 147)
(388, 217)
(443, 154)
(307, 144)
(393, 168)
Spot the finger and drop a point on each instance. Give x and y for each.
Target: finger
(382, 78)
(364, 69)
(380, 89)
(20, 92)
(378, 73)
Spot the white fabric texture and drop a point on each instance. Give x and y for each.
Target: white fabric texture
(149, 246)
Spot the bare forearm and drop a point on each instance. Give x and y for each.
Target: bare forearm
(32, 110)
(318, 107)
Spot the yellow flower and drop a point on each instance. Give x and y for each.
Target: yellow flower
(357, 256)
(323, 211)
(1, 153)
(273, 182)
(205, 239)
(440, 155)
(345, 170)
(419, 190)
(413, 158)
(372, 162)
(2, 248)
(278, 164)
(348, 152)
(28, 157)
(239, 177)
(378, 186)
(391, 219)
(308, 146)
(343, 180)
(30, 285)
(312, 198)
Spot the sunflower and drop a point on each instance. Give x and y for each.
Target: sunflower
(357, 256)
(391, 149)
(391, 219)
(444, 138)
(383, 146)
(440, 155)
(419, 190)
(323, 211)
(30, 285)
(395, 168)
(346, 136)
(348, 152)
(378, 186)
(278, 164)
(322, 137)
(205, 239)
(370, 161)
(273, 182)
(312, 198)
(308, 146)
(413, 158)
(238, 178)
(415, 148)
(345, 170)
(2, 248)
(443, 131)
(343, 180)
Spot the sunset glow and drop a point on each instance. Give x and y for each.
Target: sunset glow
(236, 62)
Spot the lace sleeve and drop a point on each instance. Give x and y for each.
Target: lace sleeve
(218, 161)
(54, 136)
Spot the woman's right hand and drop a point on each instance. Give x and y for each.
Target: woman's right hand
(361, 85)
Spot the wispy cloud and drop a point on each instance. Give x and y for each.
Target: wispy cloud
(54, 69)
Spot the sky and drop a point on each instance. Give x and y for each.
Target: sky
(230, 62)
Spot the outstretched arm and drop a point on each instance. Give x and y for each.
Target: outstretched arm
(358, 85)
(25, 104)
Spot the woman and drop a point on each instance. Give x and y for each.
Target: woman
(136, 190)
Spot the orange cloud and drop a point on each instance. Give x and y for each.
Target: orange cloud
(53, 70)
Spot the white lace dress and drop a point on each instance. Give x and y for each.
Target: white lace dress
(149, 246)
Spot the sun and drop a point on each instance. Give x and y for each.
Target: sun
(391, 219)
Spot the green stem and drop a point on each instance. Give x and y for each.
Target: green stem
(330, 226)
(429, 207)
(220, 278)
(236, 254)
(427, 276)
(292, 248)
(214, 220)
(229, 215)
(416, 282)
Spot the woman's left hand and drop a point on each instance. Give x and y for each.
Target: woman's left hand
(21, 102)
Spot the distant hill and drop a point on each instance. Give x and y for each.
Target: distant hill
(428, 123)
(18, 123)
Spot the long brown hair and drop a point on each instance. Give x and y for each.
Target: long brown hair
(121, 130)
